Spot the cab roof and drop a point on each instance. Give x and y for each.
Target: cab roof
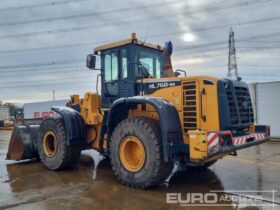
(133, 39)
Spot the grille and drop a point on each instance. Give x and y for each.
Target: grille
(240, 105)
(190, 105)
(232, 106)
(244, 105)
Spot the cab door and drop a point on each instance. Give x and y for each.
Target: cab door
(110, 77)
(117, 76)
(127, 79)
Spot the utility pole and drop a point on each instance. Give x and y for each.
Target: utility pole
(232, 64)
(53, 95)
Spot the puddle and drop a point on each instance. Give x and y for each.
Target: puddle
(93, 185)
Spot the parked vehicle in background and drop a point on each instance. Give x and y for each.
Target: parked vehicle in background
(4, 116)
(41, 110)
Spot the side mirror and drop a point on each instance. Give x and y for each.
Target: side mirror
(179, 71)
(91, 61)
(177, 74)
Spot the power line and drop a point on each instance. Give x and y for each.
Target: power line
(117, 23)
(77, 16)
(59, 62)
(50, 80)
(262, 36)
(56, 69)
(45, 84)
(265, 41)
(240, 23)
(252, 50)
(80, 82)
(50, 63)
(53, 3)
(254, 65)
(86, 76)
(156, 35)
(49, 48)
(21, 72)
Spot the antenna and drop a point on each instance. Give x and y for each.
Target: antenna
(53, 95)
(232, 64)
(148, 30)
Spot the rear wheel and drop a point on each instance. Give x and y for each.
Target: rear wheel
(54, 152)
(136, 153)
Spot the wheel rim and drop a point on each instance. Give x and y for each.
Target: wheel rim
(132, 153)
(50, 144)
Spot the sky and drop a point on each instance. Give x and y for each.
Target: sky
(43, 44)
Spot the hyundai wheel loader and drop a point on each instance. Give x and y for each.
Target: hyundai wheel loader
(146, 118)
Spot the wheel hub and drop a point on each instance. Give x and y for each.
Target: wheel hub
(132, 153)
(50, 144)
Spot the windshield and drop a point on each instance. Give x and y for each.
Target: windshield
(151, 62)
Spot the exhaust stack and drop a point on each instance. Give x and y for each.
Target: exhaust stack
(167, 65)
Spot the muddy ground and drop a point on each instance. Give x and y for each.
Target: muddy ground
(29, 185)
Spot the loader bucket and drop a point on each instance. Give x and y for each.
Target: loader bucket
(23, 143)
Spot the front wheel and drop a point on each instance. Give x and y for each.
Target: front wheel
(53, 149)
(136, 153)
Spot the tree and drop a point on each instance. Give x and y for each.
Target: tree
(12, 107)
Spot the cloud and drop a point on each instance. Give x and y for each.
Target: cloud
(188, 28)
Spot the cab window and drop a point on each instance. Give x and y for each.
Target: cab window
(151, 62)
(111, 66)
(124, 64)
(111, 72)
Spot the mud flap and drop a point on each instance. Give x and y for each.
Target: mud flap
(23, 143)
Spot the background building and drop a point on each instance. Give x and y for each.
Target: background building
(266, 102)
(41, 110)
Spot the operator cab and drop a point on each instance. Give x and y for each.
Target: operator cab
(123, 64)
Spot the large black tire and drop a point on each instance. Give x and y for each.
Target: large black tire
(154, 170)
(59, 155)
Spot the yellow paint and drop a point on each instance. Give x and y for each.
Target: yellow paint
(93, 116)
(198, 145)
(252, 128)
(189, 111)
(177, 96)
(193, 99)
(10, 128)
(133, 35)
(132, 153)
(50, 144)
(150, 112)
(133, 39)
(210, 105)
(90, 109)
(171, 94)
(75, 99)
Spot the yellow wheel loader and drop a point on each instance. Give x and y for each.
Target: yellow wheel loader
(146, 117)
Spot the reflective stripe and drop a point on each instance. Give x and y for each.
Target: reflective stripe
(212, 139)
(242, 139)
(210, 135)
